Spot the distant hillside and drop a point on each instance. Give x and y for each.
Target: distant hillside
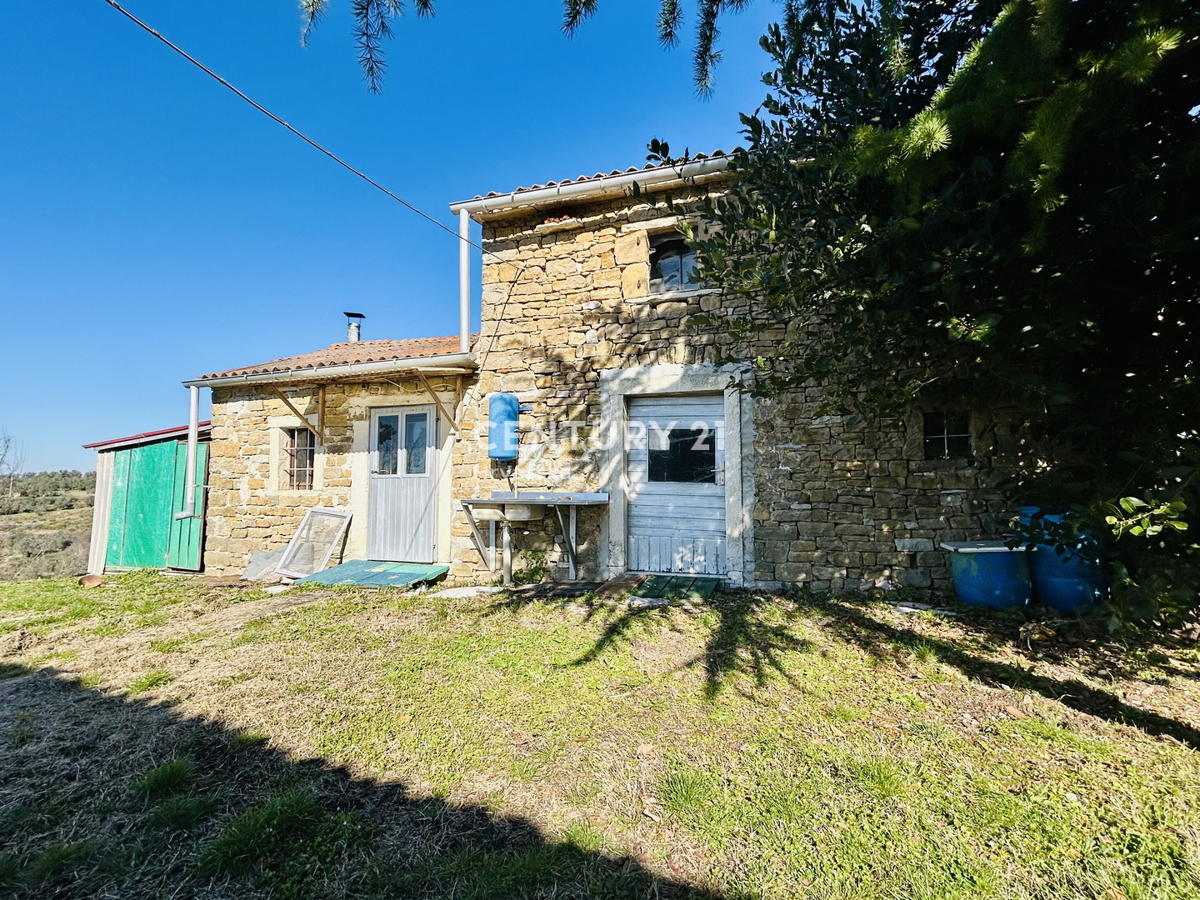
(45, 524)
(46, 491)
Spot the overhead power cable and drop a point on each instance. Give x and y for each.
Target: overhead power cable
(337, 159)
(266, 112)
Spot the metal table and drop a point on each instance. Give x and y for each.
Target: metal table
(506, 507)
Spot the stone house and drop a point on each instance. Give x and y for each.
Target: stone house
(354, 426)
(588, 317)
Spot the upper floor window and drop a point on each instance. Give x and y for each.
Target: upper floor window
(947, 435)
(671, 264)
(300, 448)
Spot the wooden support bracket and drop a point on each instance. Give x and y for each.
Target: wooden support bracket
(441, 406)
(299, 415)
(321, 415)
(458, 401)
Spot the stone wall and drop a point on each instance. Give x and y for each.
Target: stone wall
(833, 506)
(563, 302)
(565, 305)
(841, 507)
(248, 506)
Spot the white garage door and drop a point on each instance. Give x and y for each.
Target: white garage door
(676, 470)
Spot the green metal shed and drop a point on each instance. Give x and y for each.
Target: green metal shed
(141, 485)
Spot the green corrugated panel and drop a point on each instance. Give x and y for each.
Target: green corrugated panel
(116, 516)
(653, 586)
(148, 510)
(186, 535)
(678, 587)
(384, 574)
(140, 524)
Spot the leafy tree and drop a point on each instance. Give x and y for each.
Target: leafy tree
(373, 25)
(952, 210)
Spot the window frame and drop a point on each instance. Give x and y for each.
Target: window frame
(658, 241)
(674, 459)
(291, 450)
(952, 429)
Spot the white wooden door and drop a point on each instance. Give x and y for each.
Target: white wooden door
(675, 469)
(402, 514)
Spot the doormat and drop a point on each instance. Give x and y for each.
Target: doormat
(384, 574)
(677, 587)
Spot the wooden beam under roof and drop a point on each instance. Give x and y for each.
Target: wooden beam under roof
(299, 415)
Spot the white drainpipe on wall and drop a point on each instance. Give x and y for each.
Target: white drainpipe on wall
(189, 498)
(464, 281)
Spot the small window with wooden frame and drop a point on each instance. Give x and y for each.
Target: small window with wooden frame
(299, 459)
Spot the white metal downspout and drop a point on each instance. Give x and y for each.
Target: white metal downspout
(189, 498)
(464, 282)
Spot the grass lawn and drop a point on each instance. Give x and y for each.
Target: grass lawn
(174, 737)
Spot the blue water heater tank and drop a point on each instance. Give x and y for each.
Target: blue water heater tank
(503, 410)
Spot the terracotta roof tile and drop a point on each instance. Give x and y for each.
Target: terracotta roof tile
(349, 353)
(596, 177)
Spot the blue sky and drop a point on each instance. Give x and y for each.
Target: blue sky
(155, 227)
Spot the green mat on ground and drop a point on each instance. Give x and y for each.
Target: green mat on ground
(367, 572)
(678, 587)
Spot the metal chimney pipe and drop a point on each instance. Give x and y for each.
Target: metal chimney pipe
(353, 326)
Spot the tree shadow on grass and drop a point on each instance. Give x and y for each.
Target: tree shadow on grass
(855, 624)
(92, 805)
(752, 637)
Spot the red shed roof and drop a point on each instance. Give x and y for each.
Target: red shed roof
(147, 437)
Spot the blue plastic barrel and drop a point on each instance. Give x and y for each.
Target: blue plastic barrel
(1070, 582)
(987, 573)
(503, 410)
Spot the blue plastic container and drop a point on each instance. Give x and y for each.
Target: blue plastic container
(987, 573)
(503, 410)
(1070, 582)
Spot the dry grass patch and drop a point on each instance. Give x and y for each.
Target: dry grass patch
(409, 745)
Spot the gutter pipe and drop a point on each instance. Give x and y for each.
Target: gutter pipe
(454, 362)
(193, 435)
(606, 185)
(429, 364)
(464, 282)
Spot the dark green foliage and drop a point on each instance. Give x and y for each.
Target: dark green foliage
(291, 839)
(533, 869)
(9, 871)
(950, 207)
(181, 813)
(534, 569)
(168, 780)
(259, 832)
(372, 26)
(31, 817)
(57, 860)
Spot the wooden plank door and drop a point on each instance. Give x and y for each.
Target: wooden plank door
(402, 503)
(187, 535)
(675, 470)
